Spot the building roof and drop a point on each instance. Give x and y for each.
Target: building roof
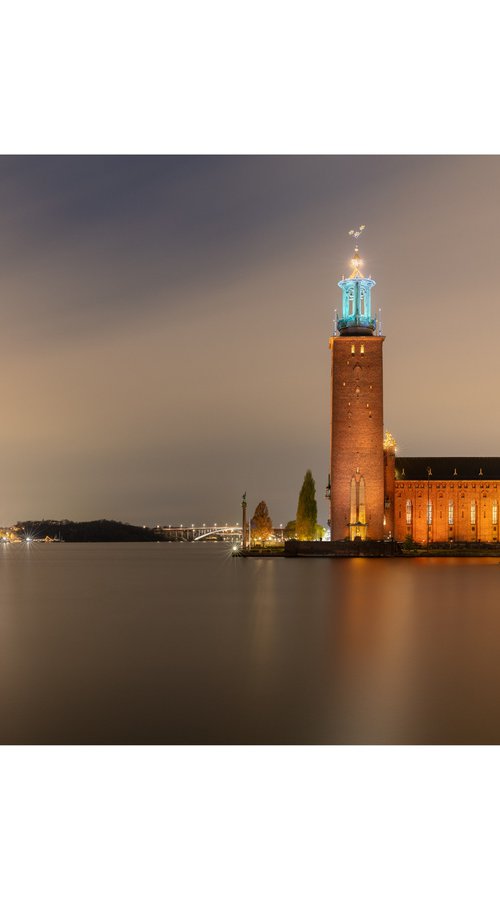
(447, 468)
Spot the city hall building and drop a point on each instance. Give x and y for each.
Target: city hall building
(375, 495)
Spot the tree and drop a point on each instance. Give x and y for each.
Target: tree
(290, 530)
(262, 527)
(307, 511)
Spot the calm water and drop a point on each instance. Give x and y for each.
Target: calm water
(177, 643)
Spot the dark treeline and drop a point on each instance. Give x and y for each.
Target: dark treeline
(100, 530)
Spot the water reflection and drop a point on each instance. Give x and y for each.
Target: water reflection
(182, 644)
(415, 652)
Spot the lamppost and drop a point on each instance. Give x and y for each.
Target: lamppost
(429, 514)
(244, 521)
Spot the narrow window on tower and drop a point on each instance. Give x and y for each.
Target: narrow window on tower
(429, 512)
(362, 501)
(354, 516)
(473, 512)
(450, 512)
(353, 349)
(494, 513)
(408, 512)
(362, 350)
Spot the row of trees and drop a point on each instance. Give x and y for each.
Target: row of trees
(305, 525)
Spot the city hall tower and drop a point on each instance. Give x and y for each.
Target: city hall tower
(357, 429)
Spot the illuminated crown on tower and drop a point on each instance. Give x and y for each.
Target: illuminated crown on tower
(356, 297)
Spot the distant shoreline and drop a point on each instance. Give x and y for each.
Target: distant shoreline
(68, 532)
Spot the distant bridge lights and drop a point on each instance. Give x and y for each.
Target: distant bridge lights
(227, 532)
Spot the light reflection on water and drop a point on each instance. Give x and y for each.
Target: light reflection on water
(158, 643)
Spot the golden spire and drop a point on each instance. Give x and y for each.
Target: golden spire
(356, 262)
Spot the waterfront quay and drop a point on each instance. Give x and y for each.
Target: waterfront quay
(317, 549)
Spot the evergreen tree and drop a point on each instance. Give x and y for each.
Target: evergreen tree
(307, 510)
(262, 526)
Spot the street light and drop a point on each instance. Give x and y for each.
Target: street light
(429, 516)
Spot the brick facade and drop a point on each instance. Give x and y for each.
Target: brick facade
(372, 496)
(357, 456)
(429, 510)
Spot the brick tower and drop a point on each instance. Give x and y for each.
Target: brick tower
(357, 435)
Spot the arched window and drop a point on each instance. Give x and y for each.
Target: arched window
(473, 512)
(408, 512)
(450, 512)
(353, 349)
(494, 512)
(362, 350)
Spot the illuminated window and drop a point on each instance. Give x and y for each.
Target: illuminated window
(494, 512)
(429, 512)
(353, 349)
(362, 348)
(408, 512)
(473, 513)
(450, 512)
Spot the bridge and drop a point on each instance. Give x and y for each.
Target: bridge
(206, 532)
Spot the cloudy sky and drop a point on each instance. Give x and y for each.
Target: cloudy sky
(165, 321)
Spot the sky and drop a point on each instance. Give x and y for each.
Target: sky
(165, 322)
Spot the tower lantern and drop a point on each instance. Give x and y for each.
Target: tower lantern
(356, 297)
